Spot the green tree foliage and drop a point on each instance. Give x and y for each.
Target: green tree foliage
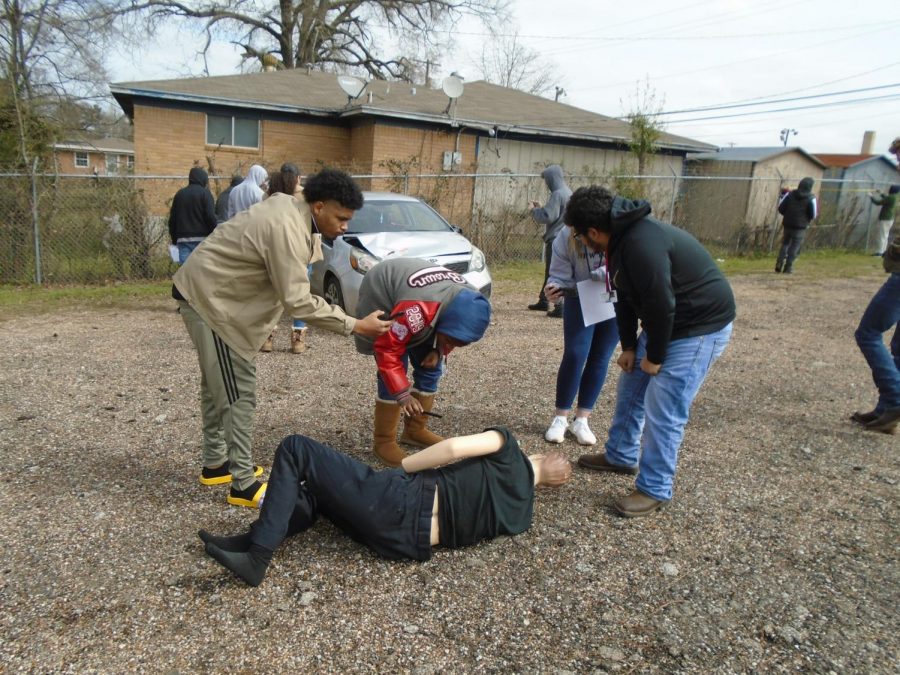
(646, 126)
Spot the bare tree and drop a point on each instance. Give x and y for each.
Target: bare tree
(343, 35)
(51, 51)
(509, 63)
(646, 127)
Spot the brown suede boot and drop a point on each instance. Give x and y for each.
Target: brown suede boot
(387, 417)
(414, 430)
(298, 345)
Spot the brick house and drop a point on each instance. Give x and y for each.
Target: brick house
(100, 156)
(392, 128)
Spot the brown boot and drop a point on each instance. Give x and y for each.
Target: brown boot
(269, 344)
(298, 346)
(387, 417)
(414, 430)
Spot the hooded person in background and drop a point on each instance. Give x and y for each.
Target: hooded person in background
(887, 202)
(222, 201)
(249, 192)
(799, 209)
(551, 215)
(434, 310)
(193, 216)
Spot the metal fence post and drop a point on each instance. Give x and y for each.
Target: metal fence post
(35, 223)
(674, 193)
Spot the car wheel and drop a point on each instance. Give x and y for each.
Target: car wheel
(333, 293)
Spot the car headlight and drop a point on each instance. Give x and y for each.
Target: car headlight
(477, 263)
(361, 261)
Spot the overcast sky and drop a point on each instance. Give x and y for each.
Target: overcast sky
(695, 54)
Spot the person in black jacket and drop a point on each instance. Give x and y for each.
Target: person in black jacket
(666, 280)
(222, 200)
(193, 214)
(799, 209)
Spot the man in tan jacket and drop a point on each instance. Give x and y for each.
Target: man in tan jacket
(232, 290)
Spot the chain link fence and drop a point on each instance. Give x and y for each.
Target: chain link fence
(94, 229)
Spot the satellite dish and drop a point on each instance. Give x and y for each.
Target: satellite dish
(452, 86)
(352, 86)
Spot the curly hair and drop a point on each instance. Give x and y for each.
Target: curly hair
(589, 207)
(333, 185)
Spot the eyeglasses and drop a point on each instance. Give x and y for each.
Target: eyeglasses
(578, 237)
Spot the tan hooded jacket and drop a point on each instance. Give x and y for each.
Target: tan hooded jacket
(254, 266)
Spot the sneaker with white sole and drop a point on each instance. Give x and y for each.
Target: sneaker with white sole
(557, 431)
(582, 432)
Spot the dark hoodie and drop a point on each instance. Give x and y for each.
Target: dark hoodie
(193, 214)
(551, 214)
(799, 206)
(222, 201)
(664, 278)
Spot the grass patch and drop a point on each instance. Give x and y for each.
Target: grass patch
(509, 277)
(20, 300)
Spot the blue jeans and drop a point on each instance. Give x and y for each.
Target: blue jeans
(657, 408)
(585, 361)
(882, 313)
(790, 247)
(185, 248)
(425, 379)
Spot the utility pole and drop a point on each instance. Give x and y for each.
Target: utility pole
(787, 133)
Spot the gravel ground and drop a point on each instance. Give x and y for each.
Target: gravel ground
(779, 552)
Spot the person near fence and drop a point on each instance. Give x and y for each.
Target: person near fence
(551, 215)
(434, 311)
(248, 192)
(455, 493)
(232, 290)
(888, 203)
(882, 314)
(586, 348)
(287, 181)
(668, 282)
(222, 200)
(798, 209)
(193, 214)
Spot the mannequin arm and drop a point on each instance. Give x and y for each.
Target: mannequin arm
(454, 449)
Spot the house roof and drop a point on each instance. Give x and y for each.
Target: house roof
(752, 154)
(837, 161)
(118, 146)
(482, 105)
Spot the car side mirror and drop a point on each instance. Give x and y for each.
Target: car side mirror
(456, 228)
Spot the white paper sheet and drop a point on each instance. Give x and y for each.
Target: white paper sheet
(594, 306)
(173, 252)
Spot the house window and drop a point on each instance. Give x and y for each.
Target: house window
(130, 162)
(81, 160)
(112, 164)
(234, 131)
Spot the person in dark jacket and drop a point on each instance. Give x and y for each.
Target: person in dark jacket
(799, 209)
(665, 280)
(888, 203)
(551, 215)
(222, 201)
(456, 493)
(193, 214)
(434, 311)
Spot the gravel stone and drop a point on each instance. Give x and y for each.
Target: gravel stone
(786, 560)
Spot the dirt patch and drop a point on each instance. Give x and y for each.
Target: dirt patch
(778, 553)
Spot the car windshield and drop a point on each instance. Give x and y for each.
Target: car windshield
(396, 216)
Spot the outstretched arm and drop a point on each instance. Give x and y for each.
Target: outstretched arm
(454, 449)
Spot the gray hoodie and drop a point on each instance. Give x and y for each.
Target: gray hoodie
(551, 214)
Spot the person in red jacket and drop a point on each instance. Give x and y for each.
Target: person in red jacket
(434, 311)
